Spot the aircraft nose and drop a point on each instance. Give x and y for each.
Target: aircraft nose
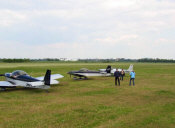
(7, 74)
(70, 73)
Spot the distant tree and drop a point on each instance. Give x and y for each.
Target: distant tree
(156, 60)
(15, 60)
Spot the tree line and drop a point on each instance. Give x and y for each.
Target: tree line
(157, 60)
(14, 60)
(27, 60)
(150, 60)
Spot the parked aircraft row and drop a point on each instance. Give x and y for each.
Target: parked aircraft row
(109, 71)
(22, 79)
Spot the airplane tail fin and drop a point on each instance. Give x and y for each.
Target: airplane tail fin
(130, 67)
(108, 69)
(47, 77)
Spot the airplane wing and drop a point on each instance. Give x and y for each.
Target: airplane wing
(6, 84)
(54, 82)
(52, 77)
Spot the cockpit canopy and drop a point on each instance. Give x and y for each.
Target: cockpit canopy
(84, 69)
(18, 73)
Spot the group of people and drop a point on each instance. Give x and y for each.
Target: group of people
(119, 76)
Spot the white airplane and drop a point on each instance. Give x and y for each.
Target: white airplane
(84, 73)
(21, 78)
(119, 69)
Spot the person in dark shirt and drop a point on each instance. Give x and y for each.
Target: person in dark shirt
(122, 73)
(117, 77)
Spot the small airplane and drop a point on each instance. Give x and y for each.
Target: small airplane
(21, 78)
(84, 73)
(130, 69)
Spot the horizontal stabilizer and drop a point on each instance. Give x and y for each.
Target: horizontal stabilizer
(54, 82)
(52, 77)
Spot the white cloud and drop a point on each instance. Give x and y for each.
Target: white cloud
(61, 13)
(113, 4)
(88, 28)
(116, 40)
(9, 17)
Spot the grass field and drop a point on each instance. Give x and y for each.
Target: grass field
(95, 102)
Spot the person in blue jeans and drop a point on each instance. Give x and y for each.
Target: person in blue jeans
(132, 78)
(117, 77)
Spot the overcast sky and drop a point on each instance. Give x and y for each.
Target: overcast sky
(87, 29)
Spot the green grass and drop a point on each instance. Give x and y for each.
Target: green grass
(95, 102)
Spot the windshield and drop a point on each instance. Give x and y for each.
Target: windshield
(18, 73)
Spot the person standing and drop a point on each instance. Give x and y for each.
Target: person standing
(117, 77)
(132, 78)
(122, 74)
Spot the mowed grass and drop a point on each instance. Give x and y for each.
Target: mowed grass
(95, 102)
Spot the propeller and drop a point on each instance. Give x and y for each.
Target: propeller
(69, 74)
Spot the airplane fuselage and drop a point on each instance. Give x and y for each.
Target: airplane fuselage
(92, 74)
(28, 81)
(88, 73)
